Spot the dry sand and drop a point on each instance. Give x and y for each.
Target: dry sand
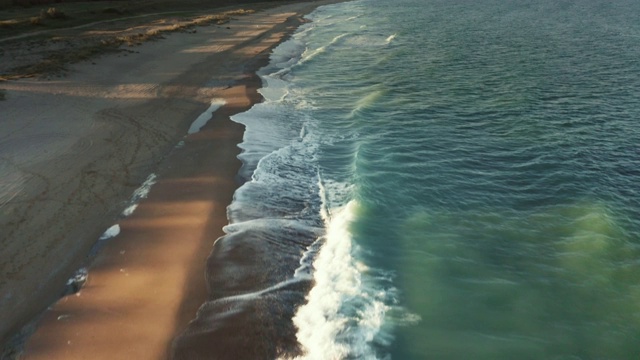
(73, 150)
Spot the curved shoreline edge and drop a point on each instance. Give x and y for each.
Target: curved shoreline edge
(146, 284)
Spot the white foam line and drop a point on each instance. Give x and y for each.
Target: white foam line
(79, 277)
(140, 193)
(204, 118)
(129, 210)
(319, 320)
(345, 316)
(111, 232)
(144, 189)
(256, 294)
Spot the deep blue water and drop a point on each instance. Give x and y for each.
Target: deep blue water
(454, 180)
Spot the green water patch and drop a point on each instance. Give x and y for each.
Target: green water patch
(559, 283)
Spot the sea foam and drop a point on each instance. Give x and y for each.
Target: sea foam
(111, 232)
(345, 313)
(343, 316)
(204, 118)
(140, 193)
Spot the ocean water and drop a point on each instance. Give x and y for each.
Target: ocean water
(437, 179)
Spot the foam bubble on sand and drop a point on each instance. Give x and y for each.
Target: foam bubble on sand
(130, 209)
(204, 118)
(140, 193)
(111, 232)
(75, 282)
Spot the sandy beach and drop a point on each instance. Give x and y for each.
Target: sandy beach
(72, 152)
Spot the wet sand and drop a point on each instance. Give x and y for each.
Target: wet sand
(73, 150)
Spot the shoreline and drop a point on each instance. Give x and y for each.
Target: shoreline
(143, 273)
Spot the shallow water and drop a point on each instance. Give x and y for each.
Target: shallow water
(442, 180)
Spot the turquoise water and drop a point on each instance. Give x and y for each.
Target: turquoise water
(466, 174)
